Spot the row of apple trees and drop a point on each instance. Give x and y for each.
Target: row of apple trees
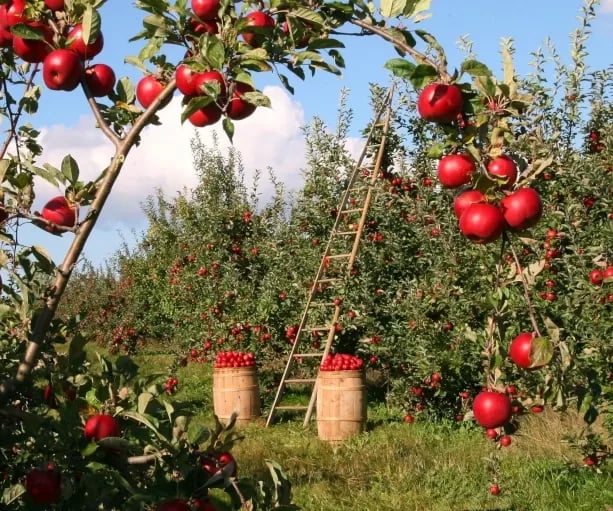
(79, 432)
(431, 306)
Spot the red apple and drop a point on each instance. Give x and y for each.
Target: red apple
(6, 36)
(55, 5)
(522, 209)
(100, 80)
(209, 77)
(186, 80)
(59, 211)
(205, 26)
(455, 170)
(238, 108)
(43, 486)
(465, 199)
(607, 274)
(62, 70)
(503, 168)
(206, 9)
(148, 89)
(259, 20)
(101, 426)
(203, 505)
(491, 409)
(206, 116)
(482, 222)
(174, 505)
(78, 45)
(439, 102)
(14, 12)
(34, 50)
(520, 350)
(596, 276)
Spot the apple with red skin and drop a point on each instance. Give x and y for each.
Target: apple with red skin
(607, 274)
(148, 89)
(596, 276)
(14, 12)
(503, 168)
(505, 441)
(482, 222)
(59, 211)
(408, 418)
(491, 409)
(201, 79)
(465, 199)
(520, 351)
(205, 116)
(100, 80)
(174, 505)
(494, 489)
(6, 36)
(440, 102)
(62, 70)
(34, 51)
(455, 170)
(260, 20)
(491, 433)
(43, 486)
(55, 5)
(237, 108)
(101, 426)
(205, 26)
(522, 209)
(206, 9)
(78, 45)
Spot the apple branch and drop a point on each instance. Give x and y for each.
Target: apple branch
(106, 129)
(47, 313)
(524, 283)
(418, 56)
(14, 117)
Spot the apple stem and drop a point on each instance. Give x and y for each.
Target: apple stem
(244, 505)
(416, 55)
(524, 282)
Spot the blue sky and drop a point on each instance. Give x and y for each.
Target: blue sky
(528, 22)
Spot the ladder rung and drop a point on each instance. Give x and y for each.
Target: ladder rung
(360, 189)
(333, 279)
(344, 233)
(338, 256)
(311, 355)
(355, 210)
(291, 407)
(317, 329)
(303, 381)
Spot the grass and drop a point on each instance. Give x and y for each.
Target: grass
(421, 466)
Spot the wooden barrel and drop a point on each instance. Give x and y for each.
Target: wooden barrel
(341, 404)
(236, 389)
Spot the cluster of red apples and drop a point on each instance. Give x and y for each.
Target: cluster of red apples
(341, 362)
(234, 359)
(480, 219)
(63, 51)
(219, 94)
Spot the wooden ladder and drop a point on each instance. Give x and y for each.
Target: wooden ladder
(342, 247)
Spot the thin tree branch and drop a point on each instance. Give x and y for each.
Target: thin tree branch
(415, 54)
(46, 314)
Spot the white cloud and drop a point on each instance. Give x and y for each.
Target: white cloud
(270, 137)
(607, 6)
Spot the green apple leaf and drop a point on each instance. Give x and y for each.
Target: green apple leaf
(70, 169)
(541, 352)
(228, 127)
